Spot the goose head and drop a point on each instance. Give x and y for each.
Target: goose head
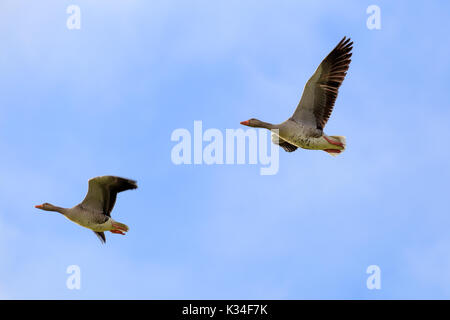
(47, 207)
(257, 123)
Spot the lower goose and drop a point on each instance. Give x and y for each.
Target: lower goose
(94, 212)
(305, 128)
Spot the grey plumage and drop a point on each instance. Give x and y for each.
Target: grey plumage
(102, 192)
(305, 127)
(94, 212)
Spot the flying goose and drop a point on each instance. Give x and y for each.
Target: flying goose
(305, 128)
(94, 212)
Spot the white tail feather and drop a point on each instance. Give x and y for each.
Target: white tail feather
(334, 154)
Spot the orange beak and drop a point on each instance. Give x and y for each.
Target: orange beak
(245, 123)
(39, 206)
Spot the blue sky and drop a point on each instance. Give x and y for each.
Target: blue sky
(105, 99)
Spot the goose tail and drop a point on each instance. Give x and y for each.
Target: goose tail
(338, 141)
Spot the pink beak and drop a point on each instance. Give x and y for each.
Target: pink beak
(245, 123)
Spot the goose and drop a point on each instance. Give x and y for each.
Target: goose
(305, 128)
(94, 212)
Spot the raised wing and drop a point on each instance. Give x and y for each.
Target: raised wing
(321, 90)
(102, 192)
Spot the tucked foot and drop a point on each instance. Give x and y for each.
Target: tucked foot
(117, 231)
(119, 227)
(332, 150)
(333, 142)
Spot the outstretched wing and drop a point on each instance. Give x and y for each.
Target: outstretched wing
(102, 192)
(321, 90)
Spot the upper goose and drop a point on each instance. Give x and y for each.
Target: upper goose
(95, 211)
(305, 128)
